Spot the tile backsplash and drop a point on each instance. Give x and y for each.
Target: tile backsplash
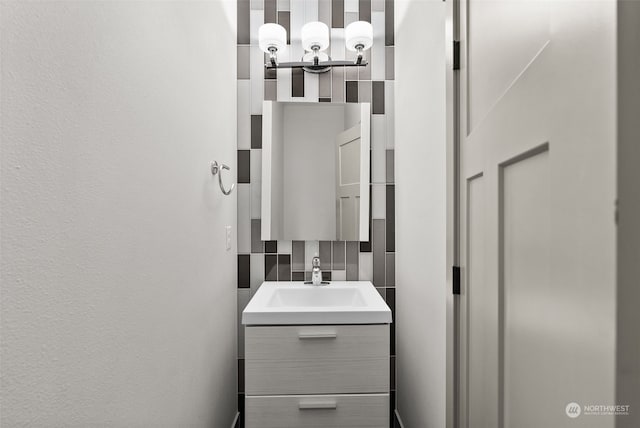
(291, 260)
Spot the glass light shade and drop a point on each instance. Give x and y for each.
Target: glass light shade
(358, 33)
(308, 57)
(315, 34)
(272, 36)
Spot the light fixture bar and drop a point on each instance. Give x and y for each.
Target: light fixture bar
(321, 64)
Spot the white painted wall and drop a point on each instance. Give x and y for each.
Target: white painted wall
(118, 297)
(420, 168)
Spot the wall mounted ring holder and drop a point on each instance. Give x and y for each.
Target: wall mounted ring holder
(217, 169)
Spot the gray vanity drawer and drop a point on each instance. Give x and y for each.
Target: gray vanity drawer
(319, 411)
(322, 359)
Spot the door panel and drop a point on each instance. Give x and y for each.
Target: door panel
(504, 38)
(483, 315)
(527, 293)
(537, 196)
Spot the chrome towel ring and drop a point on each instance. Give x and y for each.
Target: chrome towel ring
(216, 169)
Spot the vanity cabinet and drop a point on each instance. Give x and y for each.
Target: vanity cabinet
(317, 376)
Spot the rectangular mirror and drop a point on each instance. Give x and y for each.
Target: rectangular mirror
(315, 171)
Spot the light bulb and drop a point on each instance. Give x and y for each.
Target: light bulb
(315, 34)
(359, 33)
(272, 36)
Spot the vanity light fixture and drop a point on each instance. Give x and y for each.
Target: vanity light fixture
(315, 40)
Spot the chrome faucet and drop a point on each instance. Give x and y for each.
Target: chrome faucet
(316, 273)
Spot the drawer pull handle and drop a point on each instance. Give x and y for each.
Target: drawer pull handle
(306, 336)
(314, 405)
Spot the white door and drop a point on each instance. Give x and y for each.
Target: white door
(537, 216)
(348, 149)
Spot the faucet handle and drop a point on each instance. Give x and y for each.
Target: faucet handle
(315, 262)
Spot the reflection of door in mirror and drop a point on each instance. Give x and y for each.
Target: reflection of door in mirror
(315, 171)
(348, 184)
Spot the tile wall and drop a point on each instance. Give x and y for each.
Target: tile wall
(291, 260)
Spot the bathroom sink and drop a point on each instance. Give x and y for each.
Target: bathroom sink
(340, 302)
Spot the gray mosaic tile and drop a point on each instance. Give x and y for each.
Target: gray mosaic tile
(271, 267)
(352, 260)
(284, 19)
(244, 166)
(271, 246)
(284, 267)
(257, 272)
(257, 246)
(391, 219)
(243, 192)
(297, 83)
(244, 114)
(284, 5)
(337, 85)
(243, 298)
(365, 266)
(240, 374)
(270, 11)
(352, 91)
(364, 10)
(297, 255)
(244, 271)
(270, 90)
(338, 275)
(325, 255)
(389, 26)
(256, 131)
(338, 255)
(243, 12)
(325, 85)
(379, 259)
(389, 57)
(377, 5)
(350, 17)
(337, 13)
(324, 12)
(243, 62)
(377, 106)
(364, 91)
(391, 270)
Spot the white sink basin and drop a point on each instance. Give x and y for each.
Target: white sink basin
(340, 302)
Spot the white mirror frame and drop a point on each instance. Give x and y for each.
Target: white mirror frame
(365, 168)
